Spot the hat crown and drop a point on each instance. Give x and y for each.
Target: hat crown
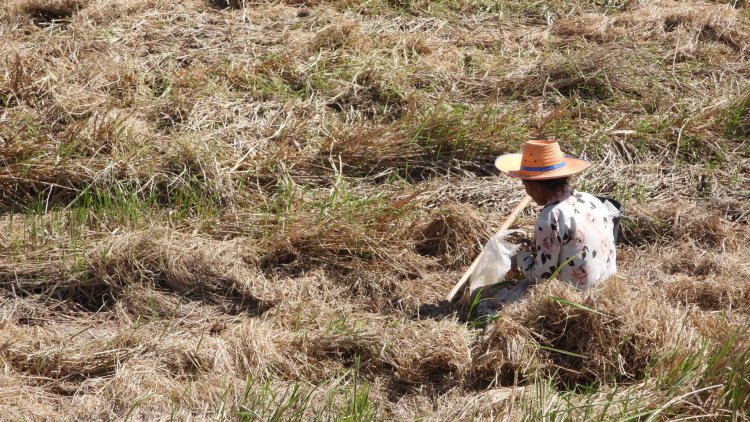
(539, 154)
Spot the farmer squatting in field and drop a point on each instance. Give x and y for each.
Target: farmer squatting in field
(573, 236)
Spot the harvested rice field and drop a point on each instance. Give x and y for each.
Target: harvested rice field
(249, 210)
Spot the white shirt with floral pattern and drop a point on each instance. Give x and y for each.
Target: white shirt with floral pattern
(574, 231)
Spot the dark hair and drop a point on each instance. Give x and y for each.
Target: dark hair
(551, 184)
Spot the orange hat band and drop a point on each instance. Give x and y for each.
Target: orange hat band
(545, 168)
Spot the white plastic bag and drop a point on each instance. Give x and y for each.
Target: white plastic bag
(494, 264)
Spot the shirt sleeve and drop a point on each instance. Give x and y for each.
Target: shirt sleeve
(543, 263)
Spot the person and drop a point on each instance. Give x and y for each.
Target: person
(573, 236)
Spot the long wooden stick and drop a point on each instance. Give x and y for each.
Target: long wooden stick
(508, 221)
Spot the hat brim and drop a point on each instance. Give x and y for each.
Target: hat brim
(510, 164)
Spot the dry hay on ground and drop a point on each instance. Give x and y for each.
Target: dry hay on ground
(248, 210)
(610, 334)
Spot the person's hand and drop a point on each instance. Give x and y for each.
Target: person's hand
(514, 262)
(513, 273)
(527, 245)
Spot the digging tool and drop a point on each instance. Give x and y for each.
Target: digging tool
(508, 221)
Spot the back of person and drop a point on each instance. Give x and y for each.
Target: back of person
(575, 233)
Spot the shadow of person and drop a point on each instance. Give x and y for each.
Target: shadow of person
(441, 310)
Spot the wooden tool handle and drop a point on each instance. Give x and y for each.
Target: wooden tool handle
(506, 224)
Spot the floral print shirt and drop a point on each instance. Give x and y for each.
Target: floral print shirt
(574, 232)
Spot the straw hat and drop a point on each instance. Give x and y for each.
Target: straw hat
(540, 160)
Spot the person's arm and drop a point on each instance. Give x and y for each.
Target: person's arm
(541, 264)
